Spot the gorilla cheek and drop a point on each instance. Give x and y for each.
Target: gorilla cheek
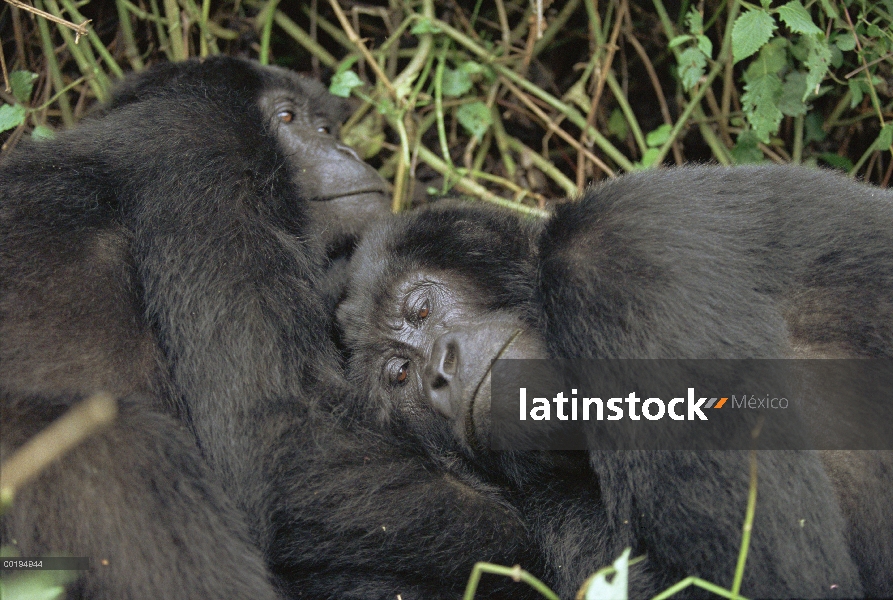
(456, 379)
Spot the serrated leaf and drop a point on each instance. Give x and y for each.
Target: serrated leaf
(772, 59)
(423, 26)
(475, 117)
(343, 83)
(747, 149)
(22, 83)
(705, 45)
(792, 94)
(659, 136)
(455, 82)
(617, 125)
(797, 18)
(750, 31)
(845, 42)
(885, 138)
(695, 22)
(599, 588)
(691, 67)
(42, 132)
(11, 116)
(818, 60)
(836, 56)
(760, 104)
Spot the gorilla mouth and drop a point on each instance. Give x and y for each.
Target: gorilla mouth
(376, 190)
(483, 388)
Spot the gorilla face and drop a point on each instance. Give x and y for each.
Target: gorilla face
(424, 333)
(437, 342)
(344, 193)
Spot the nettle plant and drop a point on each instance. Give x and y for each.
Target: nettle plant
(791, 55)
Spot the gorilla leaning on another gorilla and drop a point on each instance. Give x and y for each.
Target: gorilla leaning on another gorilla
(704, 262)
(174, 251)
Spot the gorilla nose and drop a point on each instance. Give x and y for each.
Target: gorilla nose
(345, 149)
(439, 379)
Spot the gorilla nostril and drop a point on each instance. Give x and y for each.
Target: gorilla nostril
(439, 382)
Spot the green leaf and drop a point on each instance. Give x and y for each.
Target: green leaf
(11, 116)
(679, 40)
(42, 132)
(760, 104)
(812, 125)
(829, 9)
(455, 82)
(837, 161)
(695, 22)
(599, 588)
(473, 68)
(691, 67)
(22, 83)
(792, 94)
(836, 56)
(747, 149)
(649, 158)
(845, 42)
(617, 125)
(858, 87)
(772, 59)
(885, 138)
(423, 26)
(797, 18)
(705, 45)
(659, 136)
(750, 31)
(817, 61)
(475, 117)
(343, 83)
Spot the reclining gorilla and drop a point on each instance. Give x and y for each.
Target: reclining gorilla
(755, 262)
(172, 251)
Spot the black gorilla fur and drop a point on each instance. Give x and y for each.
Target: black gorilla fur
(172, 251)
(702, 262)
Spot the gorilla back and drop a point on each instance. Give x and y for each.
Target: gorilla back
(170, 251)
(750, 262)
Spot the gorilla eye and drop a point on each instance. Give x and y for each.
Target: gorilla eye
(423, 311)
(286, 116)
(402, 374)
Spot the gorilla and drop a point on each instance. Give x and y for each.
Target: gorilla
(696, 262)
(179, 251)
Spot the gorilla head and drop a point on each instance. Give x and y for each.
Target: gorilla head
(343, 192)
(684, 263)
